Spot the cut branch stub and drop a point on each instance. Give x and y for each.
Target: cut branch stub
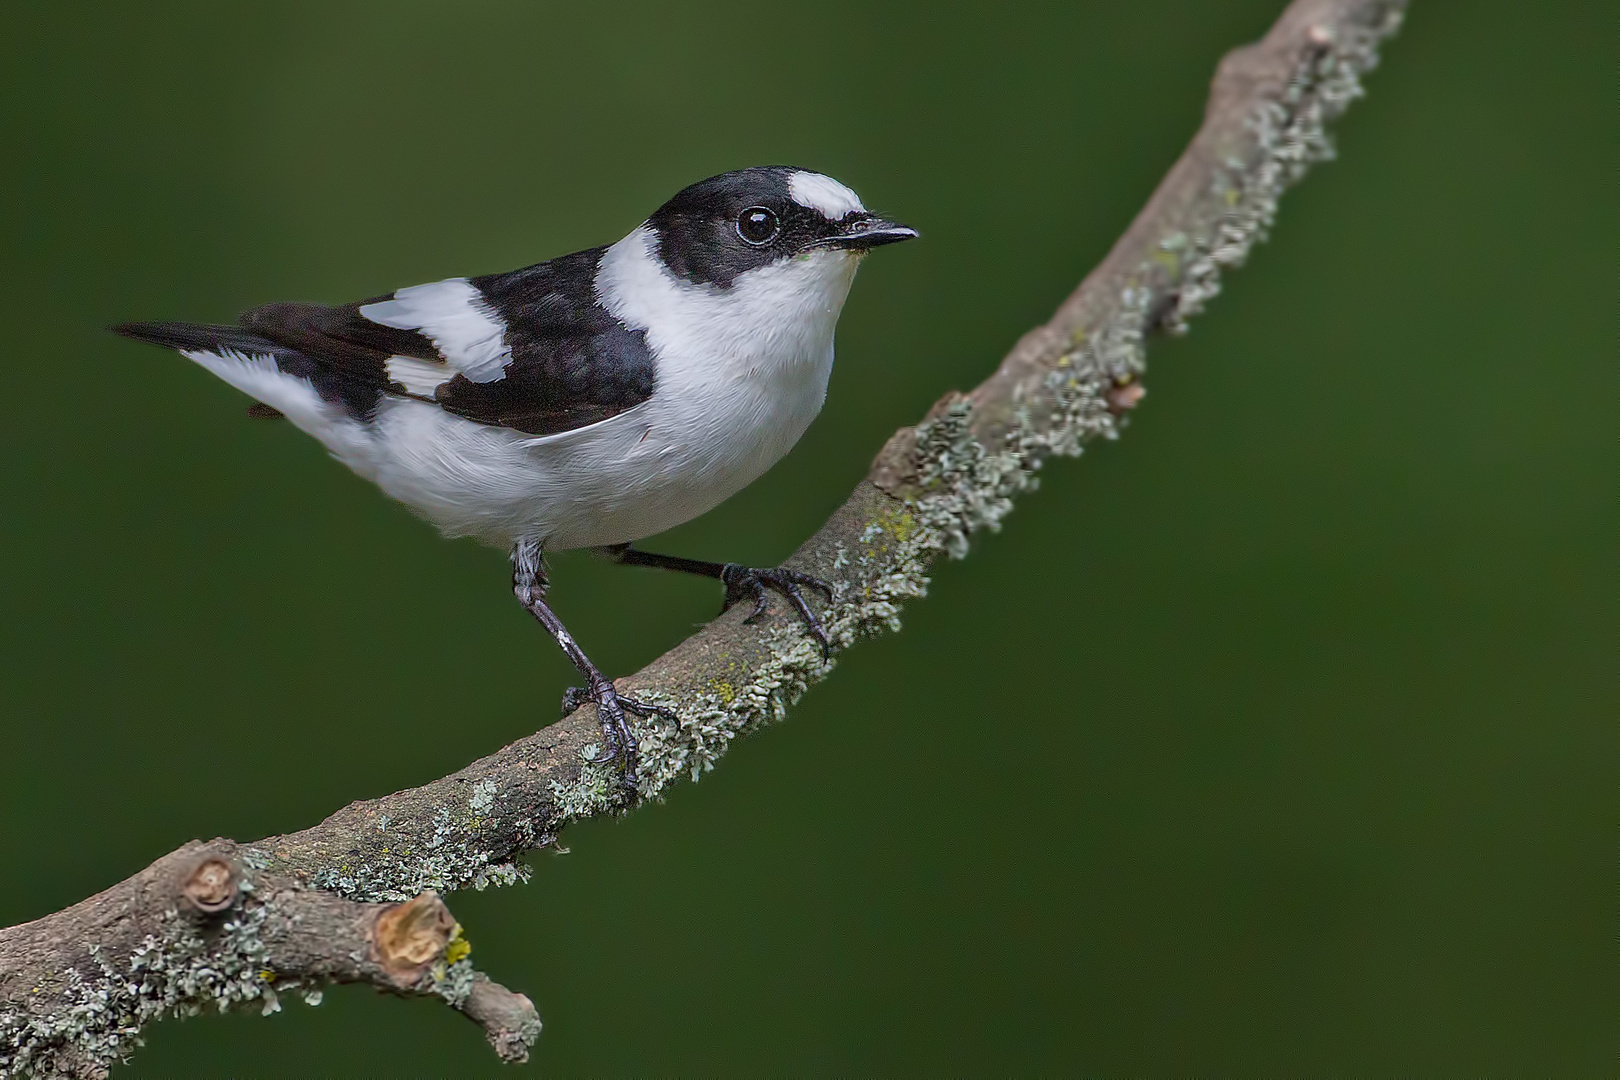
(211, 886)
(408, 938)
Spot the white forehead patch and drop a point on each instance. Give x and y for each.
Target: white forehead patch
(822, 194)
(463, 327)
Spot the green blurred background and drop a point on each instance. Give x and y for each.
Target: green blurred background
(1275, 739)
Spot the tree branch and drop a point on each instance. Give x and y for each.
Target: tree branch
(354, 899)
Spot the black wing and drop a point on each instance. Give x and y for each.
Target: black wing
(573, 363)
(567, 361)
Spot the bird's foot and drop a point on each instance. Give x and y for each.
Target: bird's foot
(610, 709)
(742, 582)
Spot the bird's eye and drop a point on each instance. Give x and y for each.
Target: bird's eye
(758, 225)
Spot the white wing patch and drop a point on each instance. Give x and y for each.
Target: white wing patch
(463, 327)
(418, 376)
(823, 194)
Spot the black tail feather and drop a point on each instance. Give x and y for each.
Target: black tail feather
(358, 396)
(179, 335)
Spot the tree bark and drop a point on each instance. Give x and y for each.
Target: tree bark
(355, 898)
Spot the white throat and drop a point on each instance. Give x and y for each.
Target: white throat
(772, 320)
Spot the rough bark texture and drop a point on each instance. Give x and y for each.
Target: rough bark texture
(354, 899)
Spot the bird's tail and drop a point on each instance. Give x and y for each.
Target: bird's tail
(280, 379)
(226, 351)
(197, 337)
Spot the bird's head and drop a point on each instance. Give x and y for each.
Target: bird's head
(754, 265)
(721, 228)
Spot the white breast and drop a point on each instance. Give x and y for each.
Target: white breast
(741, 373)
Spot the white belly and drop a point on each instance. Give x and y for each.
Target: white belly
(664, 462)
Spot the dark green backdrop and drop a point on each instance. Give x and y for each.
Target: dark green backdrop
(1319, 773)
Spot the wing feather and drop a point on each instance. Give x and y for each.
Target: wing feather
(529, 350)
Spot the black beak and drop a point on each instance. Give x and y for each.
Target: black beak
(867, 232)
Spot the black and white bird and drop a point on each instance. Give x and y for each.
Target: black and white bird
(584, 402)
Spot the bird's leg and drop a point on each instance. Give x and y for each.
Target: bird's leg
(529, 584)
(741, 582)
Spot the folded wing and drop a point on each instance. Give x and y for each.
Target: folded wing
(529, 350)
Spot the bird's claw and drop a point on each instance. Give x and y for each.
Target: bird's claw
(749, 581)
(610, 709)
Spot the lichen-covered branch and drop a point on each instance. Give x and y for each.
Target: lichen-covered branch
(199, 929)
(354, 898)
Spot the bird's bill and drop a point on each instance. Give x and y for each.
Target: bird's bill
(868, 232)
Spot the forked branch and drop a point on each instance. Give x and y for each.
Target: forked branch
(354, 899)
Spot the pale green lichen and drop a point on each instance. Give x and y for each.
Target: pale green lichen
(1291, 135)
(177, 972)
(483, 796)
(449, 979)
(456, 858)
